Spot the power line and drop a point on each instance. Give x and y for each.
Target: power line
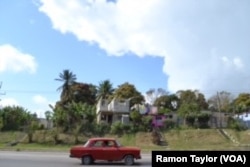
(32, 91)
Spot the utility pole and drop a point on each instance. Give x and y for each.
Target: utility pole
(219, 108)
(0, 89)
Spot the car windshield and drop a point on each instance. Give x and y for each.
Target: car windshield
(118, 144)
(86, 144)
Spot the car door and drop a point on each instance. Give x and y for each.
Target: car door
(97, 151)
(111, 151)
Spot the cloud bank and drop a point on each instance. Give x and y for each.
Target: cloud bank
(204, 44)
(12, 59)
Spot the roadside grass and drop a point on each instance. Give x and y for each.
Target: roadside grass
(6, 137)
(141, 139)
(185, 139)
(242, 136)
(197, 139)
(35, 147)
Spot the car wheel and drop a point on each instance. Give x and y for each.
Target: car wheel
(86, 160)
(129, 160)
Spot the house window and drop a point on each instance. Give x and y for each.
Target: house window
(103, 118)
(119, 117)
(110, 118)
(158, 118)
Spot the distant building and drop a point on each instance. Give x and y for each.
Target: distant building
(217, 119)
(244, 118)
(47, 124)
(114, 111)
(158, 120)
(117, 110)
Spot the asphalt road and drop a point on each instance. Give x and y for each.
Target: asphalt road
(55, 159)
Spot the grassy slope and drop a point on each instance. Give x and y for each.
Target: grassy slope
(206, 139)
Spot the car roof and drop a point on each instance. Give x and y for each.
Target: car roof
(101, 138)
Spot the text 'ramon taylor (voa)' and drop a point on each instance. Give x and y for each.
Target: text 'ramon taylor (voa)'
(202, 159)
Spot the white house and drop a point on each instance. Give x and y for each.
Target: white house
(116, 110)
(244, 118)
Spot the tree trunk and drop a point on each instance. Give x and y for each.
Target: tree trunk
(30, 137)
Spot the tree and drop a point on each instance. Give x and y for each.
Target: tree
(93, 90)
(1, 123)
(60, 115)
(153, 94)
(83, 93)
(68, 78)
(136, 117)
(77, 121)
(104, 90)
(191, 104)
(82, 117)
(128, 91)
(192, 96)
(222, 101)
(170, 102)
(58, 118)
(189, 111)
(14, 117)
(242, 103)
(31, 125)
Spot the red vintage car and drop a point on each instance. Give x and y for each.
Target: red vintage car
(108, 149)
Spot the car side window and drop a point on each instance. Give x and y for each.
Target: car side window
(103, 144)
(97, 144)
(111, 144)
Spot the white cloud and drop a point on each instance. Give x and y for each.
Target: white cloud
(8, 102)
(198, 40)
(238, 63)
(11, 59)
(41, 105)
(38, 99)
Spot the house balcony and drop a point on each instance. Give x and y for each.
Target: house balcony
(118, 107)
(115, 107)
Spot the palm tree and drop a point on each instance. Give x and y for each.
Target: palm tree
(68, 78)
(104, 90)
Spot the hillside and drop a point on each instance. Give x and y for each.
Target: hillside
(189, 139)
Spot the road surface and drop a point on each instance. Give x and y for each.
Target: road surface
(55, 159)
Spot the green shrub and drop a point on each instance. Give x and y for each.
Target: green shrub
(101, 129)
(190, 120)
(169, 124)
(202, 120)
(235, 124)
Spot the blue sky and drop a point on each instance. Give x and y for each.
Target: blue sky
(170, 44)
